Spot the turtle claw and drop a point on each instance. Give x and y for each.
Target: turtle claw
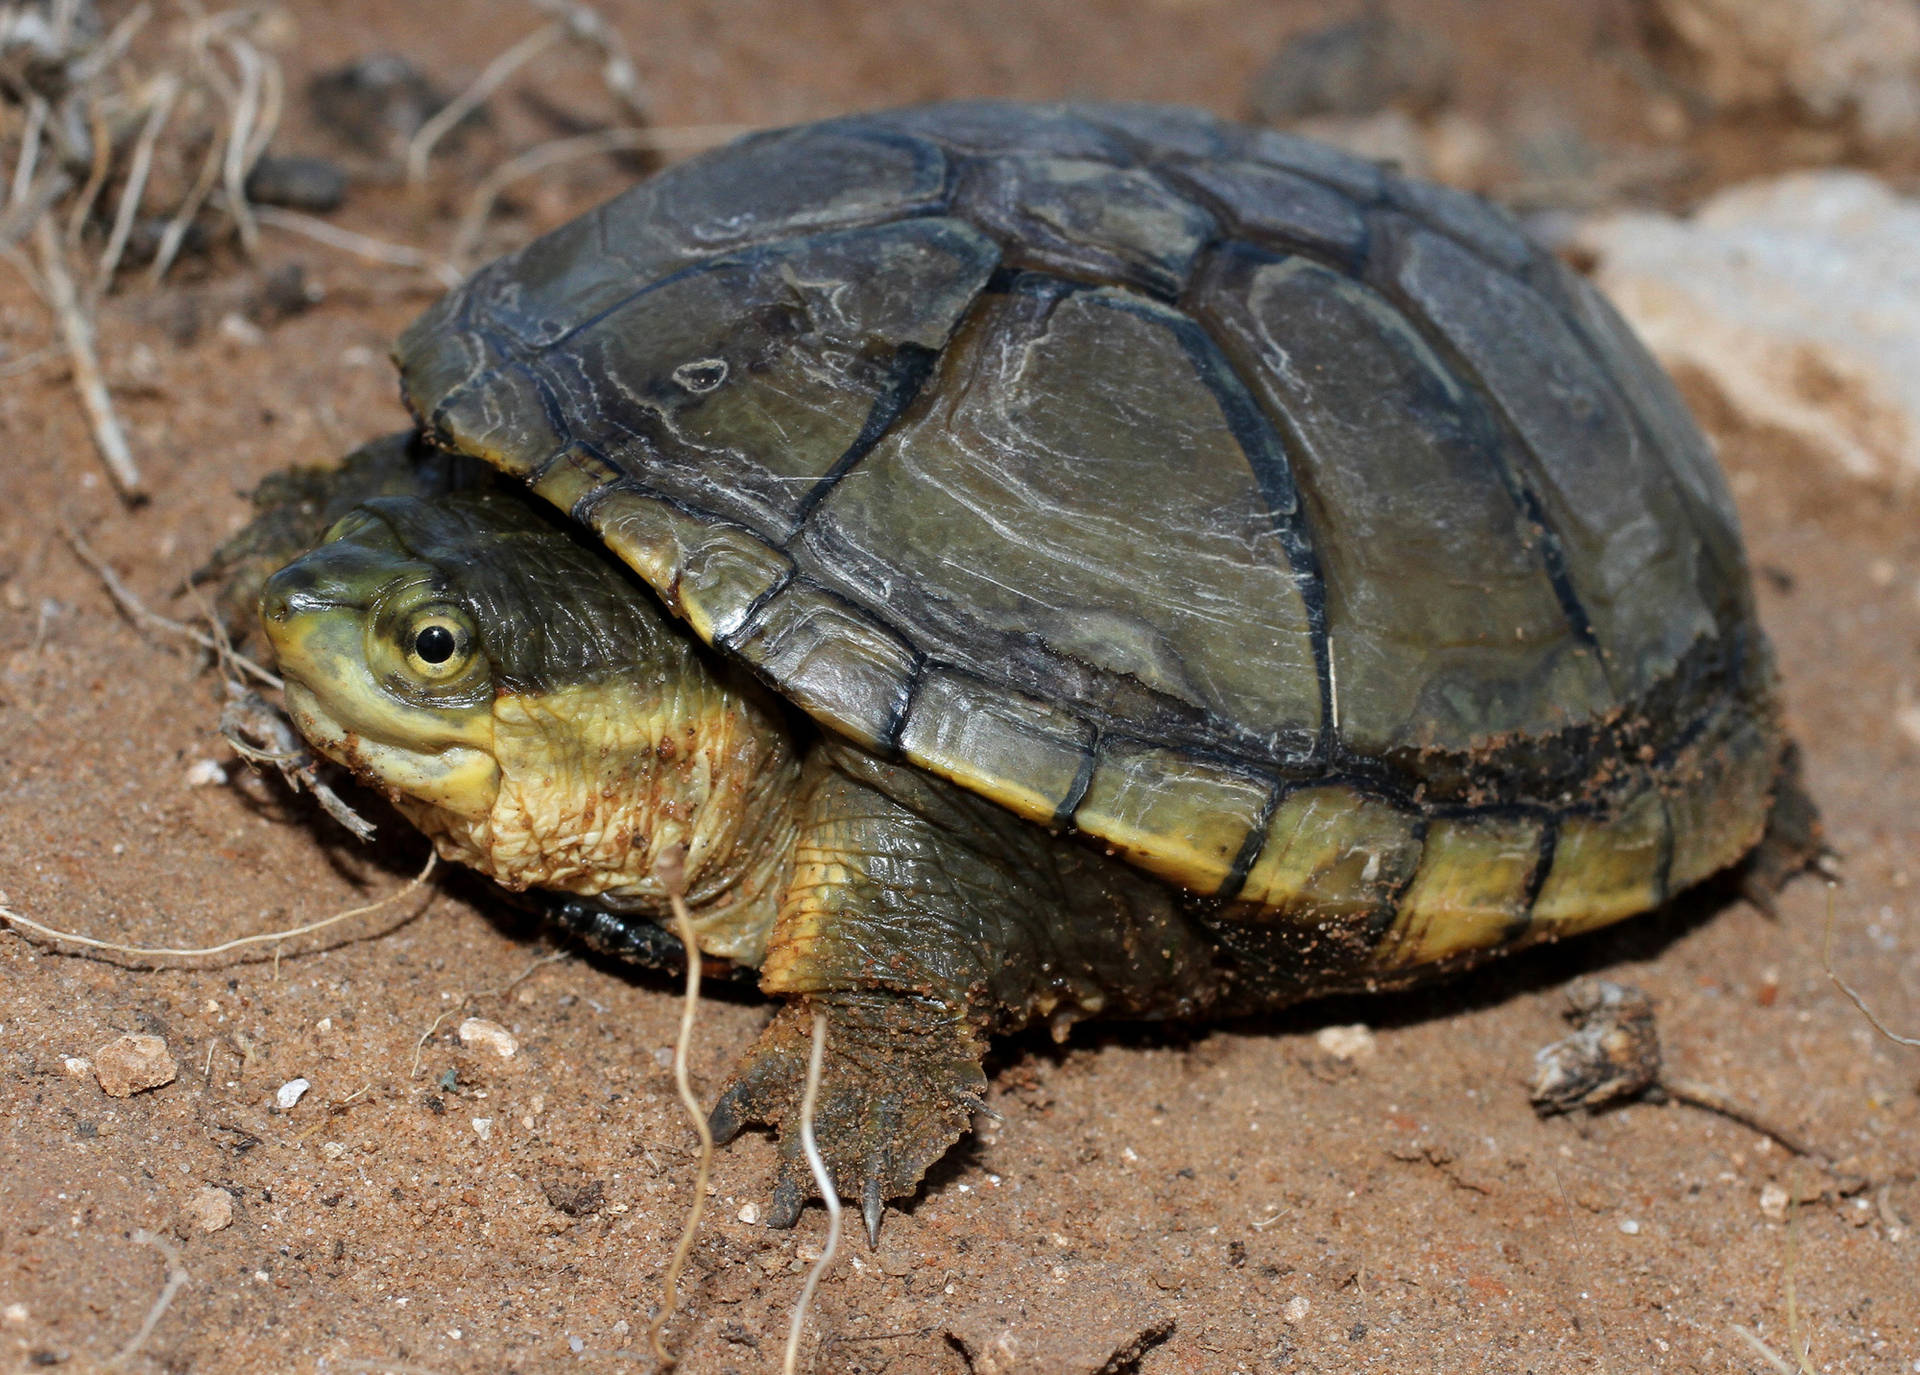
(896, 1090)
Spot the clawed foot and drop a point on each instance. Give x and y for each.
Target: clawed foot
(900, 1082)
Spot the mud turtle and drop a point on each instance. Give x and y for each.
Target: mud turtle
(1067, 560)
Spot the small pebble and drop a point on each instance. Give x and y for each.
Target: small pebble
(1295, 1309)
(483, 1128)
(241, 330)
(1346, 1042)
(478, 1033)
(749, 1213)
(133, 1062)
(332, 1150)
(1773, 1202)
(210, 1209)
(14, 1315)
(1630, 1227)
(205, 773)
(576, 1345)
(311, 184)
(76, 1066)
(290, 1093)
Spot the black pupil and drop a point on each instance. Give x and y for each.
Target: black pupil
(435, 644)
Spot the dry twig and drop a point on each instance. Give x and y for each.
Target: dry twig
(1826, 963)
(76, 330)
(177, 1278)
(829, 1193)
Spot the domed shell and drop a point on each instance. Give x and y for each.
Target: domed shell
(1172, 481)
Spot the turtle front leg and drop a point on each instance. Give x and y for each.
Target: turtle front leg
(920, 920)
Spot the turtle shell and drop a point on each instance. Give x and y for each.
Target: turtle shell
(1240, 503)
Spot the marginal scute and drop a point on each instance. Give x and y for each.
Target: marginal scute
(1609, 498)
(999, 525)
(735, 387)
(1469, 893)
(1086, 219)
(1358, 178)
(1468, 220)
(711, 574)
(991, 126)
(1278, 209)
(1162, 131)
(1332, 854)
(1005, 745)
(505, 418)
(1175, 815)
(575, 475)
(1720, 789)
(835, 663)
(1444, 628)
(1605, 867)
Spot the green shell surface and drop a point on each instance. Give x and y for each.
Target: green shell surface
(1151, 475)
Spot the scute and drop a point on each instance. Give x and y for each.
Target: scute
(1299, 529)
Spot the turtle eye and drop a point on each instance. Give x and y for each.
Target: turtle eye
(438, 645)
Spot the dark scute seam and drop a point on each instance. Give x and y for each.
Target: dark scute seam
(1542, 865)
(1518, 483)
(1251, 847)
(1663, 866)
(912, 366)
(1077, 790)
(1266, 454)
(1388, 911)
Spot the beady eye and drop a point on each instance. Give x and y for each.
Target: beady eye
(435, 644)
(438, 645)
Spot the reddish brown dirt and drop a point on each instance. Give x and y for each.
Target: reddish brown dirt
(1282, 1209)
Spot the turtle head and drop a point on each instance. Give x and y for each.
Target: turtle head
(385, 668)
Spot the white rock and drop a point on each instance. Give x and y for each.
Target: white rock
(15, 1315)
(1773, 1202)
(1835, 58)
(478, 1033)
(290, 1093)
(1295, 1309)
(483, 1128)
(133, 1062)
(210, 1209)
(333, 1150)
(205, 773)
(1630, 1226)
(1798, 298)
(749, 1213)
(1346, 1042)
(76, 1066)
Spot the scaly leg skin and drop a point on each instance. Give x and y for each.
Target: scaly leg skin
(921, 920)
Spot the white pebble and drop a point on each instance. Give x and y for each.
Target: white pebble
(1773, 1202)
(210, 1209)
(1346, 1042)
(1630, 1227)
(749, 1213)
(477, 1032)
(483, 1128)
(241, 330)
(290, 1093)
(14, 1315)
(333, 1150)
(1295, 1309)
(205, 773)
(76, 1066)
(576, 1345)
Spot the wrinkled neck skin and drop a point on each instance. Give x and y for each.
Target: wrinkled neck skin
(596, 782)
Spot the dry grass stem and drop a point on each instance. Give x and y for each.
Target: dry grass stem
(685, 138)
(76, 331)
(360, 245)
(829, 1193)
(1826, 963)
(1696, 1094)
(142, 617)
(177, 1279)
(143, 952)
(420, 147)
(166, 90)
(671, 870)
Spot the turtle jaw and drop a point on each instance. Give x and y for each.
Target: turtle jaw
(319, 614)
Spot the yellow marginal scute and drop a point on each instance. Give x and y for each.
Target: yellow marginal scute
(1174, 815)
(1469, 893)
(1604, 868)
(996, 742)
(1332, 853)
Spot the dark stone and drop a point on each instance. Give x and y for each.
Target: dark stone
(311, 184)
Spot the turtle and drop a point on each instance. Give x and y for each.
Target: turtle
(1027, 562)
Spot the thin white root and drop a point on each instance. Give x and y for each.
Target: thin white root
(76, 330)
(687, 138)
(177, 1279)
(671, 870)
(20, 923)
(165, 91)
(1826, 962)
(828, 1194)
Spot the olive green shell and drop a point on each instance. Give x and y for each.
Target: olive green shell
(1243, 504)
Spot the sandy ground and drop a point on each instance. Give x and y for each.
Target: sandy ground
(1218, 1199)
